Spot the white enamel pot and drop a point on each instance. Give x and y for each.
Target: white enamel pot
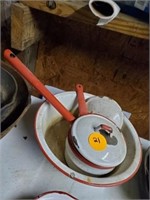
(98, 151)
(96, 142)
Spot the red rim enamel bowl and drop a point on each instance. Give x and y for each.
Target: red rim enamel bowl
(47, 116)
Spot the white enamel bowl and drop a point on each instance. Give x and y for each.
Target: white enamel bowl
(47, 116)
(107, 107)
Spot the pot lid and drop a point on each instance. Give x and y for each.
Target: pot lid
(98, 140)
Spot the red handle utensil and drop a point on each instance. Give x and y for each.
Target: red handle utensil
(81, 100)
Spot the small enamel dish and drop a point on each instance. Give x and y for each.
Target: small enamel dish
(55, 195)
(98, 141)
(107, 107)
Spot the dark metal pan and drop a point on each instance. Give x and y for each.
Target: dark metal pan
(15, 98)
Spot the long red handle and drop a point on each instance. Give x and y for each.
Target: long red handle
(81, 101)
(34, 81)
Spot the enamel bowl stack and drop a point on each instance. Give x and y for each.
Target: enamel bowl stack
(101, 150)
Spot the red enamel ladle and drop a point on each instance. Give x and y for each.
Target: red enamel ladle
(34, 81)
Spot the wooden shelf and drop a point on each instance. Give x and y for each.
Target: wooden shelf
(27, 23)
(80, 11)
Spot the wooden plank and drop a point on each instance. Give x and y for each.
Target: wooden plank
(63, 8)
(24, 27)
(130, 26)
(80, 11)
